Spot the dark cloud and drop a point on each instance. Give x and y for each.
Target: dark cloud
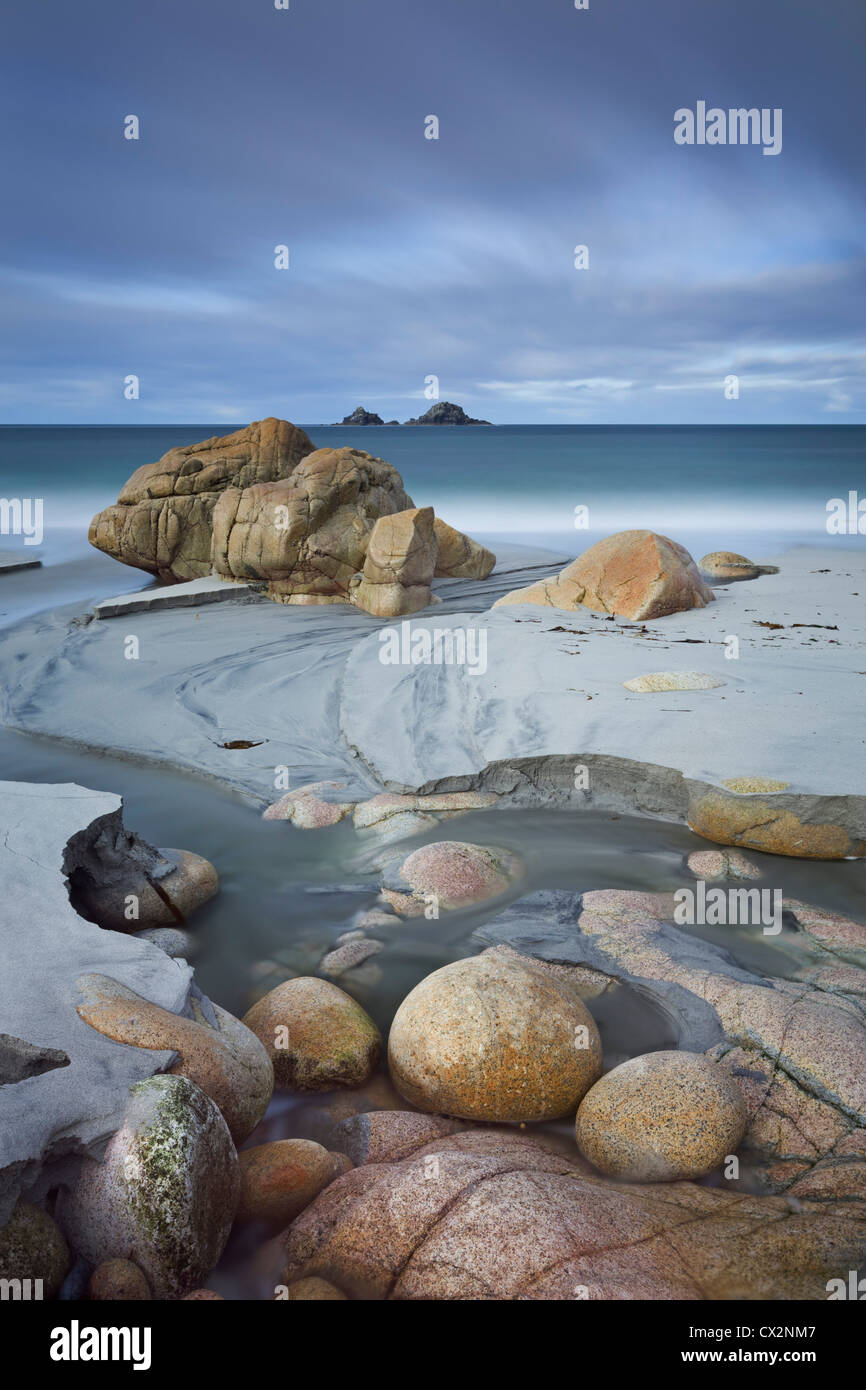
(409, 256)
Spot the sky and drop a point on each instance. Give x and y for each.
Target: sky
(412, 258)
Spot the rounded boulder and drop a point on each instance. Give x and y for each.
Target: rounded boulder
(661, 1117)
(490, 1038)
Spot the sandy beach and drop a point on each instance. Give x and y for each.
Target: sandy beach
(308, 688)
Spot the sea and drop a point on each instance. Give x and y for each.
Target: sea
(756, 490)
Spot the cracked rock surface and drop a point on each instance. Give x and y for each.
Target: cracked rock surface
(264, 504)
(635, 574)
(499, 1215)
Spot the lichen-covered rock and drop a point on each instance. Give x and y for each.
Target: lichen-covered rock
(307, 807)
(497, 1215)
(661, 1117)
(317, 1036)
(751, 822)
(725, 567)
(489, 1038)
(658, 681)
(399, 565)
(218, 1053)
(164, 1194)
(32, 1248)
(278, 1180)
(634, 574)
(748, 786)
(118, 1280)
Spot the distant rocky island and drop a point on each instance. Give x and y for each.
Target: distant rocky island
(360, 416)
(442, 413)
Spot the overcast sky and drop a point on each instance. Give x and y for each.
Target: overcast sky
(412, 257)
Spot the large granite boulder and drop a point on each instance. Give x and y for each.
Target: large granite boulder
(317, 1036)
(633, 574)
(494, 1038)
(399, 565)
(458, 556)
(264, 504)
(490, 1215)
(661, 1117)
(163, 516)
(308, 534)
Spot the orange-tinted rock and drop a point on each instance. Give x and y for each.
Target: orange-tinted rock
(317, 1036)
(661, 1117)
(751, 822)
(227, 1062)
(492, 1038)
(278, 1180)
(458, 556)
(634, 574)
(399, 565)
(163, 518)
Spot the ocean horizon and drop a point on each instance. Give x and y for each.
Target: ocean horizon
(764, 487)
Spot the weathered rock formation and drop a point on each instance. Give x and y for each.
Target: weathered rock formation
(265, 505)
(634, 574)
